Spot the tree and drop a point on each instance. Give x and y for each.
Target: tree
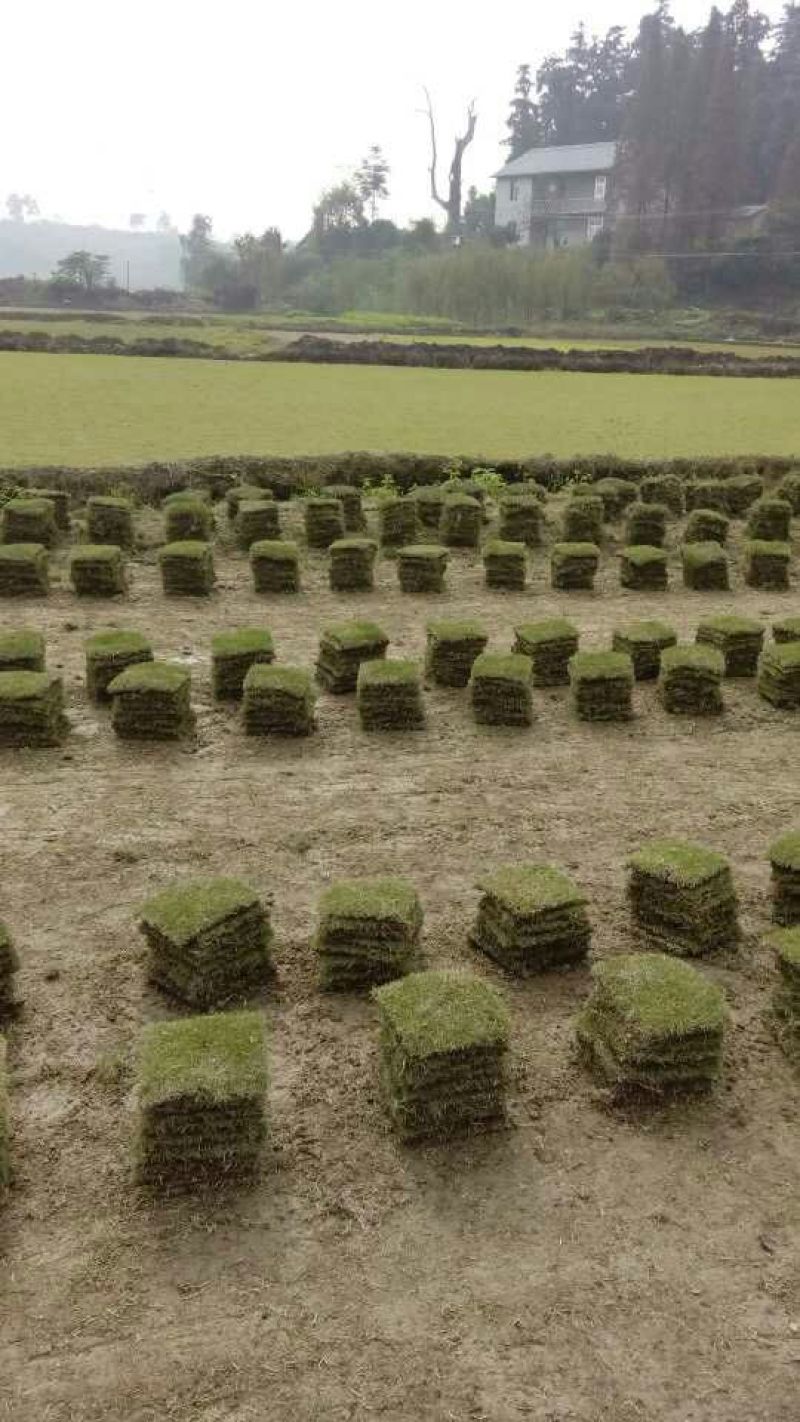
(197, 249)
(136, 220)
(452, 203)
(371, 180)
(523, 122)
(479, 214)
(19, 206)
(338, 214)
(86, 271)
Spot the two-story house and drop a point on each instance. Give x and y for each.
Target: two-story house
(556, 197)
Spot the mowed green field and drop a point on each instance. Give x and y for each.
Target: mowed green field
(105, 410)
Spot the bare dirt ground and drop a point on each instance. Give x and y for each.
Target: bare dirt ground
(584, 1265)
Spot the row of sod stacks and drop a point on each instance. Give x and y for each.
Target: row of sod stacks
(602, 683)
(616, 494)
(397, 522)
(665, 489)
(500, 689)
(705, 567)
(256, 519)
(739, 639)
(187, 569)
(770, 520)
(785, 944)
(505, 565)
(369, 933)
(109, 520)
(275, 567)
(352, 565)
(643, 568)
(786, 629)
(5, 1159)
(278, 701)
(521, 521)
(574, 566)
(187, 517)
(233, 654)
(550, 643)
(451, 649)
(24, 570)
(690, 683)
(647, 524)
(324, 521)
(209, 942)
(708, 494)
(22, 650)
(241, 493)
(682, 897)
(108, 653)
(59, 498)
(389, 696)
(443, 1042)
(779, 675)
(743, 490)
(421, 567)
(202, 1085)
(29, 521)
(706, 526)
(784, 858)
(583, 519)
(644, 642)
(31, 709)
(531, 917)
(151, 701)
(350, 499)
(9, 963)
(342, 648)
(460, 522)
(766, 565)
(652, 1024)
(97, 570)
(789, 489)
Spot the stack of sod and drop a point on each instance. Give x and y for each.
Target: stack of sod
(682, 896)
(500, 689)
(350, 499)
(352, 565)
(616, 494)
(550, 643)
(202, 1083)
(232, 656)
(421, 567)
(452, 647)
(739, 639)
(602, 683)
(531, 917)
(766, 565)
(29, 521)
(647, 524)
(369, 933)
(583, 519)
(242, 492)
(789, 489)
(786, 629)
(779, 675)
(278, 701)
(429, 499)
(644, 642)
(179, 496)
(743, 490)
(521, 520)
(389, 696)
(460, 522)
(9, 963)
(706, 526)
(643, 568)
(97, 570)
(59, 498)
(784, 858)
(444, 1038)
(342, 649)
(22, 650)
(275, 567)
(504, 565)
(209, 941)
(690, 681)
(785, 944)
(188, 517)
(256, 519)
(31, 709)
(108, 653)
(5, 1162)
(109, 520)
(324, 521)
(769, 520)
(526, 489)
(24, 570)
(574, 566)
(708, 494)
(150, 701)
(187, 568)
(472, 488)
(663, 489)
(652, 1023)
(397, 521)
(705, 567)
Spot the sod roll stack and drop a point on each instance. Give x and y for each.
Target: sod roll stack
(643, 568)
(521, 520)
(706, 526)
(743, 490)
(500, 689)
(665, 489)
(705, 567)
(324, 521)
(573, 566)
(5, 1132)
(690, 681)
(531, 917)
(389, 696)
(256, 519)
(24, 570)
(452, 646)
(460, 522)
(766, 565)
(187, 517)
(644, 642)
(550, 643)
(350, 499)
(505, 565)
(779, 675)
(275, 567)
(352, 565)
(108, 653)
(708, 494)
(770, 520)
(652, 1024)
(739, 639)
(241, 492)
(786, 629)
(342, 648)
(682, 897)
(602, 685)
(233, 654)
(187, 569)
(616, 494)
(397, 522)
(59, 498)
(784, 858)
(109, 520)
(29, 521)
(31, 709)
(201, 1089)
(583, 519)
(429, 499)
(785, 944)
(9, 964)
(278, 701)
(97, 570)
(421, 567)
(788, 489)
(647, 525)
(444, 1039)
(22, 650)
(151, 701)
(209, 941)
(368, 933)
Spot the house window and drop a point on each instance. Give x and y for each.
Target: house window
(513, 190)
(594, 225)
(600, 188)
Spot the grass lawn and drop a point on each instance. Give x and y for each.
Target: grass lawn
(95, 410)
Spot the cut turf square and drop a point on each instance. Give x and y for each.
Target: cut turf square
(429, 499)
(665, 489)
(350, 499)
(784, 858)
(550, 643)
(500, 689)
(352, 565)
(602, 684)
(690, 681)
(643, 568)
(743, 490)
(233, 654)
(786, 629)
(646, 525)
(766, 565)
(705, 567)
(209, 941)
(324, 521)
(22, 650)
(779, 675)
(187, 517)
(151, 701)
(24, 570)
(739, 639)
(187, 568)
(708, 494)
(582, 521)
(574, 565)
(505, 565)
(59, 498)
(275, 567)
(531, 917)
(389, 695)
(256, 520)
(97, 570)
(26, 520)
(707, 526)
(682, 896)
(108, 653)
(241, 492)
(9, 964)
(397, 522)
(785, 944)
(109, 520)
(31, 709)
(769, 520)
(368, 933)
(521, 520)
(617, 495)
(452, 646)
(278, 701)
(343, 647)
(644, 642)
(460, 521)
(789, 489)
(421, 567)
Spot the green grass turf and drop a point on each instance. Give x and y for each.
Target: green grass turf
(530, 888)
(398, 672)
(240, 641)
(151, 676)
(785, 852)
(107, 410)
(548, 629)
(217, 1058)
(785, 943)
(184, 910)
(677, 862)
(349, 635)
(444, 1011)
(660, 996)
(387, 898)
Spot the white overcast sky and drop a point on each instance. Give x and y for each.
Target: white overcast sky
(246, 110)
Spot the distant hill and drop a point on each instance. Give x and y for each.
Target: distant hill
(33, 249)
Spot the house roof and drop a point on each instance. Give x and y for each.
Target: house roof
(562, 158)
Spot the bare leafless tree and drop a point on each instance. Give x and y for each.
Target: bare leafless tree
(452, 203)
